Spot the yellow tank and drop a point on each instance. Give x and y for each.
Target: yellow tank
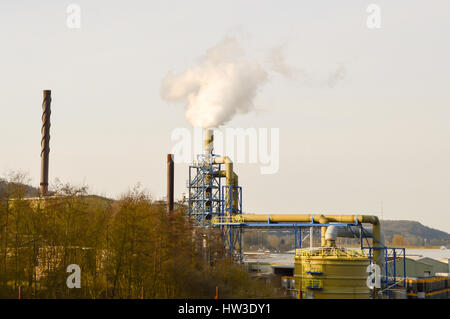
(331, 273)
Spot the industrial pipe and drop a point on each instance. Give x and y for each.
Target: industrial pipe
(324, 219)
(209, 141)
(231, 178)
(45, 142)
(208, 148)
(333, 232)
(170, 182)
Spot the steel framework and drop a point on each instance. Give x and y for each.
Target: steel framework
(204, 190)
(388, 276)
(210, 203)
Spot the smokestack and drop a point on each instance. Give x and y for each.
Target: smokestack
(45, 142)
(209, 141)
(170, 179)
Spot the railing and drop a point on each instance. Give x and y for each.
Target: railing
(330, 251)
(313, 269)
(227, 220)
(312, 283)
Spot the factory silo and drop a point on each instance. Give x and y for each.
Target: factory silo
(331, 273)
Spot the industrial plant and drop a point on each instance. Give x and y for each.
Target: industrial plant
(329, 270)
(209, 159)
(324, 272)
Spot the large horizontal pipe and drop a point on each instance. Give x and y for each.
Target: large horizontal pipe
(338, 231)
(333, 232)
(324, 219)
(317, 218)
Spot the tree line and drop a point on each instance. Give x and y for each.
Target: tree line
(126, 248)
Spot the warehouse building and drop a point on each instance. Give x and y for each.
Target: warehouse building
(417, 266)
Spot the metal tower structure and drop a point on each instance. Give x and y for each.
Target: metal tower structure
(205, 192)
(212, 204)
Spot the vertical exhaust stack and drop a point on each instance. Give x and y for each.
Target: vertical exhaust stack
(208, 149)
(170, 182)
(231, 178)
(209, 141)
(45, 142)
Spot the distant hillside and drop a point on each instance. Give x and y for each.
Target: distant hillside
(397, 233)
(29, 191)
(414, 233)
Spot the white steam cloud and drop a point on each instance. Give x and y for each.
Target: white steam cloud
(223, 84)
(336, 76)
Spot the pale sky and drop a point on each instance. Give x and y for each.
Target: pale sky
(381, 135)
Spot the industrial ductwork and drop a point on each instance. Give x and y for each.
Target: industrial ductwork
(208, 141)
(231, 178)
(333, 232)
(325, 219)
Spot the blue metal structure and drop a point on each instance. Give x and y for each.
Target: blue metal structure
(208, 200)
(205, 200)
(210, 205)
(389, 278)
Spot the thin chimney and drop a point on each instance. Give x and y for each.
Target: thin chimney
(45, 142)
(170, 181)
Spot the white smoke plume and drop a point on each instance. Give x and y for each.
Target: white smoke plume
(223, 84)
(277, 63)
(336, 76)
